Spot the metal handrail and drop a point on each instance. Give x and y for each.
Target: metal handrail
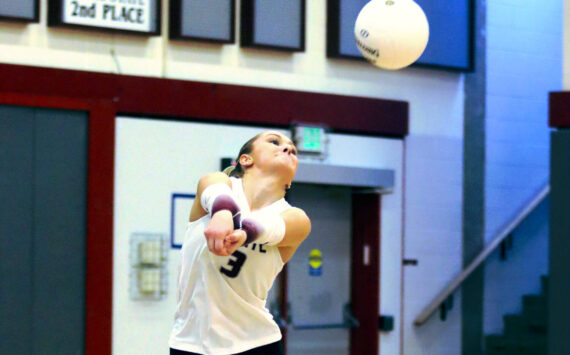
(504, 233)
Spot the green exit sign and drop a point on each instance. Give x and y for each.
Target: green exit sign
(310, 140)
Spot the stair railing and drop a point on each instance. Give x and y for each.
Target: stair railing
(444, 296)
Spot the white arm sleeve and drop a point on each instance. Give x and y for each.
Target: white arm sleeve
(211, 193)
(217, 197)
(266, 227)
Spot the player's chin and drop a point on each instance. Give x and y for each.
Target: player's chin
(292, 163)
(288, 174)
(285, 167)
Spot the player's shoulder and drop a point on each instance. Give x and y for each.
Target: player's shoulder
(298, 215)
(298, 212)
(214, 178)
(216, 175)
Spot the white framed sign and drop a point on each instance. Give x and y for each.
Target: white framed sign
(136, 16)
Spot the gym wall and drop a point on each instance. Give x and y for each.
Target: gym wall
(432, 201)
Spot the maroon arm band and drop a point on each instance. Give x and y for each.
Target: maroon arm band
(225, 202)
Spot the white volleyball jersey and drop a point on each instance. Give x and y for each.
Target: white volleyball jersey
(221, 300)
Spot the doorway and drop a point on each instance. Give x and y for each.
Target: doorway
(43, 164)
(318, 275)
(327, 297)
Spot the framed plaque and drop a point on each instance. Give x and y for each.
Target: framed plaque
(273, 24)
(199, 20)
(20, 10)
(451, 52)
(132, 16)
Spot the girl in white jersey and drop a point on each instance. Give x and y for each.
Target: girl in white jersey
(240, 234)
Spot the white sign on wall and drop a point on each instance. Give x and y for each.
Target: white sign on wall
(129, 15)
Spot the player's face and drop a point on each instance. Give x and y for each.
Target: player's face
(273, 149)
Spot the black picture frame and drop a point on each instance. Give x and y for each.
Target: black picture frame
(249, 28)
(333, 33)
(55, 19)
(333, 36)
(24, 19)
(176, 31)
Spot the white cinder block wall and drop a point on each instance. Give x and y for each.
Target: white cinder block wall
(524, 63)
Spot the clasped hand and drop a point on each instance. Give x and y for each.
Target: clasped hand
(221, 236)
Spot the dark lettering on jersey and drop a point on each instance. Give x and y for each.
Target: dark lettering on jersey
(235, 263)
(259, 247)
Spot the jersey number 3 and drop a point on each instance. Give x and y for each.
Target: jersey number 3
(236, 262)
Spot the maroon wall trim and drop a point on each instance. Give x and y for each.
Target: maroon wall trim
(559, 109)
(187, 99)
(100, 192)
(365, 288)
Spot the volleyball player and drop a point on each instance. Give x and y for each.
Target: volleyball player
(241, 233)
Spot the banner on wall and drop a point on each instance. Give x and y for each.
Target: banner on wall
(123, 15)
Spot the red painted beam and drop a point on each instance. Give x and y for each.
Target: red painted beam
(196, 100)
(100, 192)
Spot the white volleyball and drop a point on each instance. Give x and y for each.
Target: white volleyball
(391, 34)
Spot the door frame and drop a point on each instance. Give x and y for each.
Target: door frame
(365, 272)
(99, 233)
(366, 214)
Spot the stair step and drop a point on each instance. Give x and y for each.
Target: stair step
(498, 344)
(535, 306)
(521, 327)
(538, 321)
(544, 280)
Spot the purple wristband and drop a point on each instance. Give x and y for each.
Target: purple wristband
(252, 230)
(225, 202)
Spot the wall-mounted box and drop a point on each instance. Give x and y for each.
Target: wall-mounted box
(148, 259)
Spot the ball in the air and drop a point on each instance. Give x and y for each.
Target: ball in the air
(391, 34)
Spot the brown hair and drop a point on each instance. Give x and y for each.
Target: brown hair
(247, 148)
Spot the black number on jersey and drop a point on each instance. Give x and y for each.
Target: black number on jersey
(236, 262)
